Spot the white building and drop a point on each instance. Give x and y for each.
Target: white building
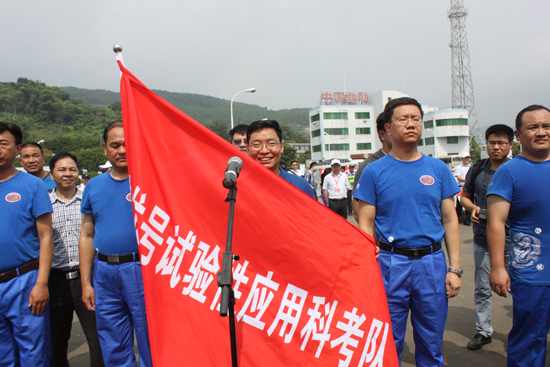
(344, 126)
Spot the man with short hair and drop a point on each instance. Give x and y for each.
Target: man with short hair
(386, 147)
(108, 227)
(518, 193)
(309, 176)
(460, 173)
(265, 146)
(32, 159)
(64, 283)
(294, 169)
(85, 179)
(474, 199)
(237, 137)
(406, 202)
(335, 187)
(26, 249)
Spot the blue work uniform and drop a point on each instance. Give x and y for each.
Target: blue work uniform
(118, 284)
(24, 337)
(524, 184)
(298, 182)
(49, 183)
(407, 197)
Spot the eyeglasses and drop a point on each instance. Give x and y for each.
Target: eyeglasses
(404, 121)
(500, 143)
(270, 146)
(239, 141)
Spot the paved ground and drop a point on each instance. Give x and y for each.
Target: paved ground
(459, 330)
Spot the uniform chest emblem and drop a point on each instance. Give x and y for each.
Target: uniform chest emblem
(13, 197)
(427, 180)
(129, 197)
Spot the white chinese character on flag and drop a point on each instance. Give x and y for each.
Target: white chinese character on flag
(170, 263)
(318, 330)
(149, 233)
(203, 269)
(370, 346)
(258, 300)
(351, 329)
(238, 278)
(289, 311)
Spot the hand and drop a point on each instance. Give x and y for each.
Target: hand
(88, 297)
(377, 252)
(38, 299)
(500, 281)
(475, 213)
(452, 284)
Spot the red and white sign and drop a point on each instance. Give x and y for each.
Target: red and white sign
(308, 288)
(341, 98)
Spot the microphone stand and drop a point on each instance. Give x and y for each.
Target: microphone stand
(225, 277)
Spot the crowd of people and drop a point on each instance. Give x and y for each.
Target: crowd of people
(69, 248)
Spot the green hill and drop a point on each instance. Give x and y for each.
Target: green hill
(205, 109)
(72, 119)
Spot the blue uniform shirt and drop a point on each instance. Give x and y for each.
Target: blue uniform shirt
(23, 199)
(110, 202)
(524, 184)
(407, 197)
(298, 182)
(50, 184)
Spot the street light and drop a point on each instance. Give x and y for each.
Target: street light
(435, 148)
(249, 90)
(328, 144)
(40, 142)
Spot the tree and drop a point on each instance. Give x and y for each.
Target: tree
(116, 106)
(516, 148)
(288, 155)
(475, 150)
(219, 127)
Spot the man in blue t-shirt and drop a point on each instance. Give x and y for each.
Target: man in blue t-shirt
(108, 245)
(519, 192)
(474, 200)
(26, 248)
(32, 159)
(265, 146)
(406, 202)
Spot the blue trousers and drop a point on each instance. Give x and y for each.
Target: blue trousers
(417, 285)
(531, 323)
(120, 310)
(24, 338)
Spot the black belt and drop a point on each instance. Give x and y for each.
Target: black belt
(67, 274)
(342, 199)
(410, 252)
(118, 259)
(23, 269)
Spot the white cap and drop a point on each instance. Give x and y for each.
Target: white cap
(106, 165)
(465, 154)
(335, 161)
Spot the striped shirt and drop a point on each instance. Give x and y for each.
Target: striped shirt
(67, 222)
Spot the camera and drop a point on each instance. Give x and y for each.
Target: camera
(482, 214)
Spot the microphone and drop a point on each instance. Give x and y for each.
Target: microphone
(232, 171)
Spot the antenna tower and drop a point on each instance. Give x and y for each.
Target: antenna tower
(463, 88)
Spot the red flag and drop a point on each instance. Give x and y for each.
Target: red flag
(308, 289)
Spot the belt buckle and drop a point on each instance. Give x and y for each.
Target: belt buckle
(415, 253)
(72, 275)
(113, 259)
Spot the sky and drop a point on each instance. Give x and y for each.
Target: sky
(290, 50)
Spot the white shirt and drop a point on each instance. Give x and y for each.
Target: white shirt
(337, 186)
(462, 171)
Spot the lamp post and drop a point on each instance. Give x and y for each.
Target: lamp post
(249, 90)
(328, 144)
(40, 142)
(435, 148)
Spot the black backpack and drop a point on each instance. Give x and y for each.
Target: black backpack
(476, 170)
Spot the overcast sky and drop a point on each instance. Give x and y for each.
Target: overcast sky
(291, 50)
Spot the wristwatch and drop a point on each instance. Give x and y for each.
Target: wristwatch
(458, 272)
